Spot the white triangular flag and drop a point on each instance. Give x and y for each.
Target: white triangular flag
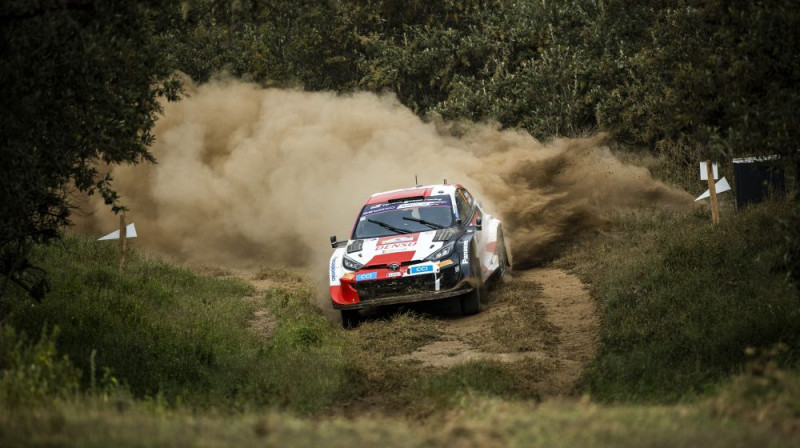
(130, 232)
(721, 187)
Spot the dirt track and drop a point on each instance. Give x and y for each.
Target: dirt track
(570, 308)
(543, 314)
(543, 317)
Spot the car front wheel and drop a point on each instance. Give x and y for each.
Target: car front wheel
(350, 318)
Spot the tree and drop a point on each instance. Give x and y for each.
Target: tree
(80, 85)
(719, 76)
(273, 42)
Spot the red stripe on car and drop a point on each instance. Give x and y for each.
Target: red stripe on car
(397, 257)
(391, 196)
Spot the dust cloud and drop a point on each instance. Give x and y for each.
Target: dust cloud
(250, 177)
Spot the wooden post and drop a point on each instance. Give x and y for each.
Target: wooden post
(712, 190)
(122, 243)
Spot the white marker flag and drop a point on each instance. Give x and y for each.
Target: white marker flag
(721, 186)
(130, 232)
(704, 171)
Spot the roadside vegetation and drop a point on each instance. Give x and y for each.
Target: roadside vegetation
(166, 348)
(684, 302)
(700, 334)
(85, 82)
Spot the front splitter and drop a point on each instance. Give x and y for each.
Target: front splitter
(407, 298)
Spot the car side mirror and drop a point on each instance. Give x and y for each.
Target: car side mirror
(478, 225)
(335, 244)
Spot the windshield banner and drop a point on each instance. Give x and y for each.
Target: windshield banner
(435, 201)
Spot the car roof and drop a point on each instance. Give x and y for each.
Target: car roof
(419, 191)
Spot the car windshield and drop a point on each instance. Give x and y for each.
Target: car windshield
(399, 217)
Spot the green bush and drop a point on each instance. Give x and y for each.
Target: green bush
(33, 372)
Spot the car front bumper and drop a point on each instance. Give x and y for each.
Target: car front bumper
(449, 282)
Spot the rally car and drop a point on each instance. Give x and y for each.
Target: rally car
(424, 243)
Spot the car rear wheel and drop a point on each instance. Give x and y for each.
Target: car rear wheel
(502, 258)
(471, 302)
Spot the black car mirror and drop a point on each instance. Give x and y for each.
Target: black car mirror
(335, 244)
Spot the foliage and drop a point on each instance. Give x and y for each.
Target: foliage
(273, 42)
(79, 87)
(32, 373)
(159, 329)
(700, 77)
(789, 226)
(716, 75)
(168, 333)
(478, 421)
(764, 392)
(683, 300)
(309, 368)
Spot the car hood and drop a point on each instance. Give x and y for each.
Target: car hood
(400, 249)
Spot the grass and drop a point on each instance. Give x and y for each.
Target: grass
(308, 369)
(160, 328)
(683, 300)
(399, 334)
(32, 372)
(170, 358)
(475, 421)
(523, 326)
(489, 379)
(164, 331)
(766, 394)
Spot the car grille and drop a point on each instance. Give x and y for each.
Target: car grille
(394, 287)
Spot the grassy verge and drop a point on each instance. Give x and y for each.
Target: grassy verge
(474, 421)
(682, 301)
(171, 358)
(164, 332)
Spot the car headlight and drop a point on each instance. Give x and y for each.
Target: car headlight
(350, 264)
(444, 252)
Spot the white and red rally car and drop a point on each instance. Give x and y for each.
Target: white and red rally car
(425, 243)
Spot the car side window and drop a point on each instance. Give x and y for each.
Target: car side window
(468, 197)
(464, 208)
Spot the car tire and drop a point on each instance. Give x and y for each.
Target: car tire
(350, 318)
(471, 301)
(502, 258)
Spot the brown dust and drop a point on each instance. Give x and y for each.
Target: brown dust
(250, 177)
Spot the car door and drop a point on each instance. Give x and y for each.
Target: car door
(471, 214)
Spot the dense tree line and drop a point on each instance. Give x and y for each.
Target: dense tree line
(81, 79)
(691, 77)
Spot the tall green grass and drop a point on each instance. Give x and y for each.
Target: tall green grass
(683, 300)
(309, 366)
(159, 328)
(164, 331)
(31, 371)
